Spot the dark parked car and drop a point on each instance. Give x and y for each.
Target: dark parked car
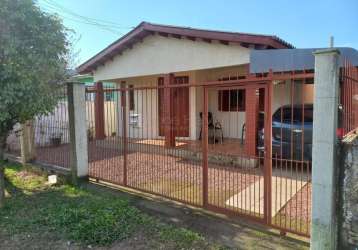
(291, 132)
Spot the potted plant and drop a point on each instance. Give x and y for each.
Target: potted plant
(90, 133)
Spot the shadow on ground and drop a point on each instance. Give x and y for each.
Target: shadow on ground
(234, 233)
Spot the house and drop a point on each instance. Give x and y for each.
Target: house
(88, 80)
(109, 101)
(153, 55)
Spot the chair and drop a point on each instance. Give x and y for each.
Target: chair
(214, 127)
(243, 133)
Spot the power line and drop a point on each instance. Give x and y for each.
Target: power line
(64, 13)
(85, 22)
(59, 7)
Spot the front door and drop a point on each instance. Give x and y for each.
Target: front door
(180, 102)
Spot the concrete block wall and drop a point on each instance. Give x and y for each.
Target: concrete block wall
(348, 203)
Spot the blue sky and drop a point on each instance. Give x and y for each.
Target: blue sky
(303, 23)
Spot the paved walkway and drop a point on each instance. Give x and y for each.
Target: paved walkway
(252, 197)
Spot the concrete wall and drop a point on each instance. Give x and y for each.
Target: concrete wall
(324, 150)
(158, 55)
(348, 203)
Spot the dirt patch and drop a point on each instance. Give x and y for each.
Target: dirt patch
(35, 241)
(25, 175)
(233, 233)
(138, 241)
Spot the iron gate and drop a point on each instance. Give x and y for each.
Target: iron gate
(244, 154)
(348, 121)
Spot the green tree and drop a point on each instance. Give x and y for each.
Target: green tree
(33, 59)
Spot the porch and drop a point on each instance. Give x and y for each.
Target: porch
(169, 111)
(229, 146)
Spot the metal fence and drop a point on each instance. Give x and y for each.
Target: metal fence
(238, 145)
(241, 146)
(349, 98)
(51, 133)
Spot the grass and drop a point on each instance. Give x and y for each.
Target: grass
(296, 224)
(66, 213)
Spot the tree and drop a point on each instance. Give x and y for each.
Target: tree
(33, 60)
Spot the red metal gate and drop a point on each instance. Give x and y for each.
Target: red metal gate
(246, 153)
(348, 122)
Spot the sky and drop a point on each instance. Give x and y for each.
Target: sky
(303, 23)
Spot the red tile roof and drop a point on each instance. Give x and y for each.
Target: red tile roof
(144, 29)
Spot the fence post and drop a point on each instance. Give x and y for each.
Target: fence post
(168, 111)
(124, 130)
(99, 112)
(27, 142)
(32, 143)
(251, 121)
(205, 146)
(267, 171)
(325, 118)
(78, 131)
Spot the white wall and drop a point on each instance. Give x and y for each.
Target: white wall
(110, 117)
(231, 121)
(146, 106)
(282, 94)
(53, 124)
(146, 103)
(158, 55)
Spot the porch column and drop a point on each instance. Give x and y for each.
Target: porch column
(99, 112)
(324, 154)
(27, 142)
(252, 108)
(168, 111)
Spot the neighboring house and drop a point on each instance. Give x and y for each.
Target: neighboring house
(147, 54)
(88, 80)
(110, 99)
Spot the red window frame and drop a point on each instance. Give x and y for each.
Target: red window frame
(231, 100)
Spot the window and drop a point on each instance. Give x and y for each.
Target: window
(231, 100)
(294, 114)
(131, 98)
(109, 96)
(90, 97)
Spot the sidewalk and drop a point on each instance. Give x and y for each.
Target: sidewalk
(235, 232)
